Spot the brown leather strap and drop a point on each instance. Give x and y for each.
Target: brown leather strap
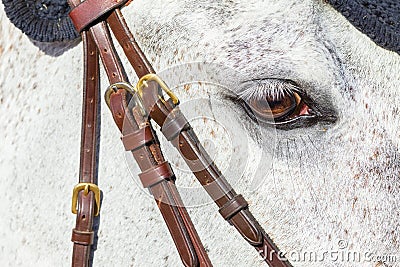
(156, 174)
(132, 50)
(174, 124)
(83, 234)
(233, 206)
(180, 220)
(111, 61)
(148, 156)
(97, 38)
(90, 11)
(138, 138)
(82, 237)
(159, 178)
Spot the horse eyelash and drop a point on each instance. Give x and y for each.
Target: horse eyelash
(273, 89)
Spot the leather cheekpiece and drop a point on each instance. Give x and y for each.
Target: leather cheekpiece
(89, 11)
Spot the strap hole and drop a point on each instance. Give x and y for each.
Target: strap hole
(105, 50)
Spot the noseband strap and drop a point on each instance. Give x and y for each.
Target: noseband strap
(93, 19)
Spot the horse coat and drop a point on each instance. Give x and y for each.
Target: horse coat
(327, 187)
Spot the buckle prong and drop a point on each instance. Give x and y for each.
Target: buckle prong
(86, 191)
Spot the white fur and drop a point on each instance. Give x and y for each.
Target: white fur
(328, 182)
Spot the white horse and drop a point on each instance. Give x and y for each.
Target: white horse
(331, 190)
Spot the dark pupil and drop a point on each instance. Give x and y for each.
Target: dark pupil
(282, 106)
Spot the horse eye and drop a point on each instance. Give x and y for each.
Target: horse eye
(288, 105)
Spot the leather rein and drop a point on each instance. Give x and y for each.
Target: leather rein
(132, 109)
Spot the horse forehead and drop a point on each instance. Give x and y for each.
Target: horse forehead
(196, 18)
(250, 36)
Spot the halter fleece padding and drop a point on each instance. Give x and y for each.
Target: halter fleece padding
(41, 20)
(380, 20)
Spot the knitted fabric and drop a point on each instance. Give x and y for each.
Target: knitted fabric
(41, 20)
(378, 19)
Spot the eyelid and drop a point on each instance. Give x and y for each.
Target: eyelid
(271, 88)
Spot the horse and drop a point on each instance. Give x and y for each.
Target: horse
(324, 185)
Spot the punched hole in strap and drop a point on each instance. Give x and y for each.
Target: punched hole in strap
(138, 139)
(232, 207)
(156, 175)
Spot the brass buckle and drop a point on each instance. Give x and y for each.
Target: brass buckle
(114, 87)
(153, 77)
(127, 87)
(86, 187)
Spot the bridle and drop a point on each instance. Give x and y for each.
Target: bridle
(132, 109)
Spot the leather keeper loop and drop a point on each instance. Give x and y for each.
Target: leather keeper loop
(232, 207)
(174, 124)
(138, 138)
(90, 11)
(82, 237)
(156, 175)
